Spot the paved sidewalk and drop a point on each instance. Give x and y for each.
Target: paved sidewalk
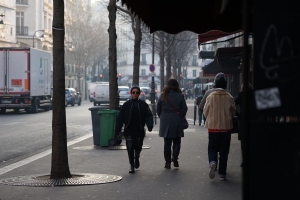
(151, 181)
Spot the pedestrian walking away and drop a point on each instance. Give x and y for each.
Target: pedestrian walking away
(200, 112)
(171, 124)
(219, 111)
(134, 114)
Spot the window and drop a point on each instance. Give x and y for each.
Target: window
(143, 72)
(49, 24)
(194, 60)
(194, 73)
(184, 73)
(45, 20)
(19, 18)
(143, 62)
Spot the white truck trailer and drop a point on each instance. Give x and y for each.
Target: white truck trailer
(25, 81)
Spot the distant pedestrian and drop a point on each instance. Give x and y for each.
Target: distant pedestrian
(171, 128)
(134, 114)
(219, 111)
(189, 93)
(196, 91)
(200, 112)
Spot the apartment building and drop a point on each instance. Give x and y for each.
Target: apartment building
(7, 23)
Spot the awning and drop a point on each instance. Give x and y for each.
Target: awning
(197, 80)
(228, 66)
(212, 35)
(199, 16)
(206, 54)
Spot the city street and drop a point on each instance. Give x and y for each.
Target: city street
(23, 134)
(21, 149)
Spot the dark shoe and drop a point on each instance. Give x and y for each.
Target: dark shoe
(136, 160)
(131, 170)
(242, 164)
(176, 150)
(168, 160)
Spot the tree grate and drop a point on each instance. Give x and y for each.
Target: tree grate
(42, 180)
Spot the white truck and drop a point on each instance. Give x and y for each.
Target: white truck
(25, 81)
(91, 89)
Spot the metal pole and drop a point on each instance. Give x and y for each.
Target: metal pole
(153, 85)
(245, 108)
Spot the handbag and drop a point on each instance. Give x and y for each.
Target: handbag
(185, 124)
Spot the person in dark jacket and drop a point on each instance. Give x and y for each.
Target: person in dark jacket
(198, 101)
(134, 114)
(171, 127)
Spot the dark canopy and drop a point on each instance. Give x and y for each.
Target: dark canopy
(199, 16)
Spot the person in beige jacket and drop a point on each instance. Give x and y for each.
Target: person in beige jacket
(219, 110)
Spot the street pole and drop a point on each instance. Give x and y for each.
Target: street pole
(153, 85)
(34, 36)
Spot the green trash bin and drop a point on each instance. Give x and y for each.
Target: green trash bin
(107, 126)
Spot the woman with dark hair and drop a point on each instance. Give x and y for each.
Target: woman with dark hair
(171, 108)
(134, 114)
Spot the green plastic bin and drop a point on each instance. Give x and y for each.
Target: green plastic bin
(107, 125)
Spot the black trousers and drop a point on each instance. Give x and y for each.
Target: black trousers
(219, 142)
(168, 143)
(134, 145)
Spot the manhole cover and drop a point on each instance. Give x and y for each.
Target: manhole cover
(42, 180)
(123, 147)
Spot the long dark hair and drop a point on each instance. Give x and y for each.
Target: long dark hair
(171, 84)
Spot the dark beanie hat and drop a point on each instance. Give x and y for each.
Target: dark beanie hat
(135, 86)
(220, 81)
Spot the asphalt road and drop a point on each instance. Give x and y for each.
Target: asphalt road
(23, 135)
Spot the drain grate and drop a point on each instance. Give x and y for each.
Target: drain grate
(123, 147)
(42, 180)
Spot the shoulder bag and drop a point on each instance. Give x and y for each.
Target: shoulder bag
(185, 124)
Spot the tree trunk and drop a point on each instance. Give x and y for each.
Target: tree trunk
(162, 60)
(168, 60)
(112, 56)
(59, 163)
(137, 51)
(77, 88)
(85, 85)
(175, 75)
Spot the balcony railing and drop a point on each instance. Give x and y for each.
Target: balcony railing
(21, 30)
(23, 2)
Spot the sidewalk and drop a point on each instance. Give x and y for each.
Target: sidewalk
(151, 181)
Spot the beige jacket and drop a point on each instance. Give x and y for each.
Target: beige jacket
(219, 110)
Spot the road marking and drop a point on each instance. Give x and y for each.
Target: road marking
(11, 123)
(25, 161)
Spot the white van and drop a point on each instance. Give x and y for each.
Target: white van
(91, 89)
(101, 94)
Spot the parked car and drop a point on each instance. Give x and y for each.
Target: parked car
(124, 92)
(101, 94)
(147, 91)
(72, 97)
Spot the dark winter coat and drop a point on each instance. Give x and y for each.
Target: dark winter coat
(134, 118)
(170, 122)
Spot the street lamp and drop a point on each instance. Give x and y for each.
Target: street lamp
(34, 36)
